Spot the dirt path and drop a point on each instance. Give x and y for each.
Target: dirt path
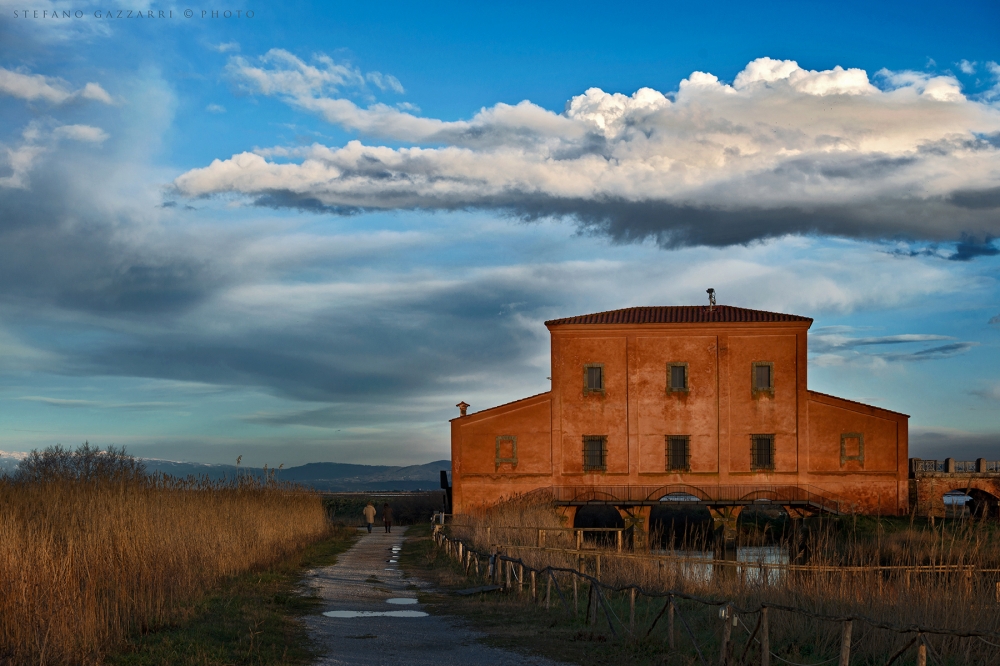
(363, 579)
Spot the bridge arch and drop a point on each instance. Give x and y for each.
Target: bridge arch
(981, 503)
(678, 492)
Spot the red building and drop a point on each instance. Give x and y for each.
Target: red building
(709, 401)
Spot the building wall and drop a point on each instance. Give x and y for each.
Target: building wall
(719, 413)
(477, 478)
(880, 484)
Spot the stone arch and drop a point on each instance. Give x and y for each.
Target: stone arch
(678, 490)
(680, 524)
(598, 516)
(983, 504)
(594, 495)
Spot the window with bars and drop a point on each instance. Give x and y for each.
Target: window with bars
(762, 377)
(593, 378)
(595, 453)
(761, 452)
(678, 453)
(677, 377)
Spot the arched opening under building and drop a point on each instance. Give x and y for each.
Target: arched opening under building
(598, 516)
(677, 523)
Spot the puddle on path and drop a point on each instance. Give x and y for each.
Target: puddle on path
(401, 601)
(399, 613)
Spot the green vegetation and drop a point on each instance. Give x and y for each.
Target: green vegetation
(251, 619)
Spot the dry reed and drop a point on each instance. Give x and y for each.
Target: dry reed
(962, 599)
(86, 559)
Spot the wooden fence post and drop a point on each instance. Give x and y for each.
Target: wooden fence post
(670, 623)
(597, 567)
(631, 610)
(727, 631)
(845, 644)
(576, 596)
(534, 589)
(921, 652)
(618, 540)
(765, 639)
(579, 539)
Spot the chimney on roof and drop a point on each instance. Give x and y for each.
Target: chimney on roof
(462, 408)
(711, 299)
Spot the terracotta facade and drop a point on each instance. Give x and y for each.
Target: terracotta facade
(845, 449)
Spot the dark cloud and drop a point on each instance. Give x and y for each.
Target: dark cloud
(62, 246)
(365, 352)
(836, 343)
(970, 247)
(940, 444)
(988, 199)
(933, 353)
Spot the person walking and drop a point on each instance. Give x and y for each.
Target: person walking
(387, 517)
(369, 512)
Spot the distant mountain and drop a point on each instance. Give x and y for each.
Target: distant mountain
(9, 461)
(334, 477)
(337, 477)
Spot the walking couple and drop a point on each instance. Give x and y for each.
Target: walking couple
(370, 511)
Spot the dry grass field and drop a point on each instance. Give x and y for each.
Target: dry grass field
(92, 550)
(861, 566)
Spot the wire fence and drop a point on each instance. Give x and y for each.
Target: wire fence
(504, 572)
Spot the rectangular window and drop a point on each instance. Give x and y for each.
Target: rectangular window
(852, 447)
(595, 453)
(762, 377)
(677, 377)
(678, 453)
(593, 378)
(761, 452)
(506, 450)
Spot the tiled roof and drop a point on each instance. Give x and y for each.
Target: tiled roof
(678, 314)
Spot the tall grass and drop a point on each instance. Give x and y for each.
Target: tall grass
(92, 549)
(960, 600)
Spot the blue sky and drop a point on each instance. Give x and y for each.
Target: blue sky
(306, 235)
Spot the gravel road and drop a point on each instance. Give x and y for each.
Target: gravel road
(363, 580)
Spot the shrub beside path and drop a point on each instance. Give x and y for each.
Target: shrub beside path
(363, 579)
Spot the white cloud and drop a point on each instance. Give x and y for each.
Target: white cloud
(215, 108)
(988, 392)
(97, 404)
(32, 87)
(96, 92)
(81, 133)
(279, 72)
(385, 82)
(781, 149)
(226, 47)
(38, 138)
(966, 67)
